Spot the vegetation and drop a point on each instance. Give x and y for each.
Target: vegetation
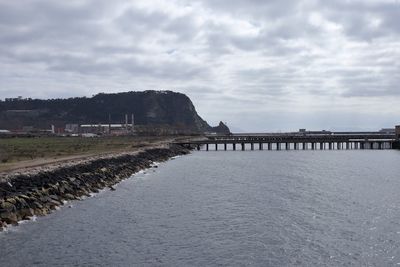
(148, 107)
(21, 149)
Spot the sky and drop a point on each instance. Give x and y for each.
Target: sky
(258, 65)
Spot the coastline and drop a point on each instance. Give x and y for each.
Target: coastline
(38, 191)
(51, 162)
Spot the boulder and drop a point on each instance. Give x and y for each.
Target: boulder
(9, 218)
(37, 205)
(11, 200)
(26, 213)
(69, 196)
(7, 206)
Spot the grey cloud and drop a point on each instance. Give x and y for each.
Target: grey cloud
(136, 21)
(254, 9)
(357, 17)
(244, 56)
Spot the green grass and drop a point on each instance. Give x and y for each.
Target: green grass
(20, 149)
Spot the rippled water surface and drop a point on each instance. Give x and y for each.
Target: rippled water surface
(258, 208)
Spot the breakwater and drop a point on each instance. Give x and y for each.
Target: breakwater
(24, 196)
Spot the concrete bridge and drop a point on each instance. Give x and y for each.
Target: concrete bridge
(295, 141)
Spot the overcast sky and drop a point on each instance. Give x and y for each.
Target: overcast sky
(258, 65)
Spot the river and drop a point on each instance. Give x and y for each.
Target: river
(216, 208)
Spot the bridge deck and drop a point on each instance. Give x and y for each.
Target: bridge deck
(334, 140)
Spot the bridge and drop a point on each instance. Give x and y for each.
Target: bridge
(321, 140)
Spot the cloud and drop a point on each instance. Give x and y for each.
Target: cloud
(233, 58)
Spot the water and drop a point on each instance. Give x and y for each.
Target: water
(253, 208)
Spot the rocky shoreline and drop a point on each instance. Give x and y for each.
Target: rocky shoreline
(27, 195)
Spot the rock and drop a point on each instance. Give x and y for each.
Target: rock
(20, 202)
(37, 205)
(40, 192)
(54, 197)
(7, 206)
(11, 200)
(41, 212)
(45, 199)
(25, 197)
(26, 213)
(69, 196)
(9, 218)
(53, 204)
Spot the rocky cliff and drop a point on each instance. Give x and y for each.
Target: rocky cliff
(221, 128)
(149, 108)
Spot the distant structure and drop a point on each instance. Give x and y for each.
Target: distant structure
(103, 129)
(397, 132)
(388, 130)
(72, 128)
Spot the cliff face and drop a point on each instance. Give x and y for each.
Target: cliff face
(221, 128)
(149, 108)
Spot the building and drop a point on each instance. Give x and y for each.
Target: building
(72, 128)
(106, 128)
(388, 130)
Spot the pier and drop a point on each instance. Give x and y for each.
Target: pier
(295, 141)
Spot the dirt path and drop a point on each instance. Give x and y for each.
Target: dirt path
(47, 164)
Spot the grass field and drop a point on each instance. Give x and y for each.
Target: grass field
(21, 149)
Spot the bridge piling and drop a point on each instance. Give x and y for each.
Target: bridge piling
(321, 141)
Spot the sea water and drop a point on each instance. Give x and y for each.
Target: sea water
(234, 208)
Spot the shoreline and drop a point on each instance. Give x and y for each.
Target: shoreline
(39, 191)
(50, 163)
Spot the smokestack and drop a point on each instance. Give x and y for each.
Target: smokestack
(133, 122)
(126, 122)
(109, 123)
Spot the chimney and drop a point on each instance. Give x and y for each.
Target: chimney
(133, 122)
(109, 123)
(126, 122)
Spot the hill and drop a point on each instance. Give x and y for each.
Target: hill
(150, 108)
